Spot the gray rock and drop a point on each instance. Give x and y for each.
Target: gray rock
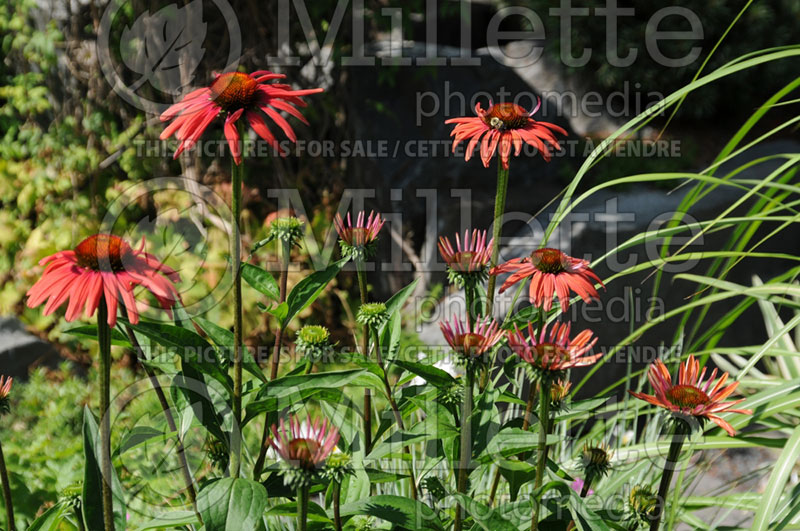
(19, 349)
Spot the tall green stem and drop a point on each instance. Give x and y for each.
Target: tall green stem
(302, 509)
(337, 501)
(678, 437)
(469, 299)
(497, 229)
(285, 257)
(362, 288)
(104, 343)
(6, 492)
(236, 256)
(466, 443)
(544, 425)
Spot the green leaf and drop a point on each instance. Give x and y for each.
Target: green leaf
(92, 505)
(307, 290)
(487, 518)
(224, 339)
(90, 332)
(170, 520)
(585, 518)
(433, 375)
(233, 504)
(315, 512)
(51, 519)
(140, 435)
(777, 482)
(396, 301)
(261, 280)
(397, 510)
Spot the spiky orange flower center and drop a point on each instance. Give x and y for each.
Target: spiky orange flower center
(103, 251)
(233, 90)
(469, 343)
(503, 116)
(687, 396)
(463, 261)
(302, 451)
(551, 352)
(549, 260)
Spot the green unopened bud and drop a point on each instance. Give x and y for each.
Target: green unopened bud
(338, 466)
(596, 460)
(372, 314)
(642, 504)
(287, 230)
(313, 342)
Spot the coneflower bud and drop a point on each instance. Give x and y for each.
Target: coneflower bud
(287, 230)
(5, 390)
(372, 314)
(596, 460)
(338, 466)
(313, 342)
(558, 393)
(642, 503)
(358, 240)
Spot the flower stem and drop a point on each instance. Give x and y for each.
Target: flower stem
(6, 491)
(497, 229)
(678, 437)
(362, 288)
(302, 507)
(398, 417)
(188, 481)
(466, 443)
(544, 423)
(586, 484)
(337, 494)
(469, 298)
(104, 343)
(236, 256)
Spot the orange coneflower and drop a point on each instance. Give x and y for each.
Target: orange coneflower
(471, 341)
(552, 272)
(232, 95)
(102, 267)
(556, 352)
(304, 444)
(691, 395)
(506, 124)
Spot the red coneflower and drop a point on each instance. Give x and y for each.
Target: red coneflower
(552, 272)
(471, 341)
(471, 257)
(358, 240)
(304, 444)
(506, 124)
(691, 395)
(234, 94)
(556, 352)
(102, 267)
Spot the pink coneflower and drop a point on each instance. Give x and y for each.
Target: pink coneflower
(232, 95)
(692, 396)
(577, 486)
(506, 124)
(552, 272)
(470, 254)
(5, 386)
(305, 445)
(556, 352)
(364, 231)
(102, 267)
(471, 341)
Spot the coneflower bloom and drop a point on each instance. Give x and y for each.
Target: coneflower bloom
(233, 95)
(552, 273)
(554, 352)
(470, 255)
(507, 125)
(304, 444)
(358, 240)
(104, 268)
(471, 341)
(5, 390)
(691, 395)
